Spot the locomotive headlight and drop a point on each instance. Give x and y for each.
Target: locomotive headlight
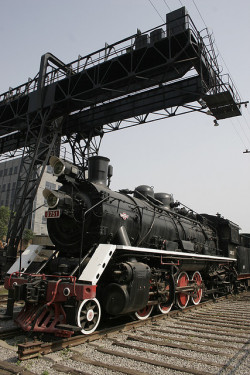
(56, 198)
(61, 167)
(58, 168)
(52, 200)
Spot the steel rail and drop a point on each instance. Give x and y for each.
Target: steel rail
(33, 349)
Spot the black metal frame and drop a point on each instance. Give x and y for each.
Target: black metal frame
(142, 78)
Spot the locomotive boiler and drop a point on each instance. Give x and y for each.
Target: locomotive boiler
(119, 253)
(92, 213)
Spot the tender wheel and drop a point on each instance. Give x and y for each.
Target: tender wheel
(143, 313)
(182, 298)
(198, 294)
(88, 315)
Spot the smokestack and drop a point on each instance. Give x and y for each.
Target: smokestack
(98, 170)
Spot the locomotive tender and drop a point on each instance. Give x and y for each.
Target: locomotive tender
(118, 253)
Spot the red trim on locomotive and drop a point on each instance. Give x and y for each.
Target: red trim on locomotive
(46, 315)
(55, 288)
(31, 318)
(243, 276)
(79, 291)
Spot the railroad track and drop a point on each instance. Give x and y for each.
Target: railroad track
(3, 298)
(3, 303)
(212, 338)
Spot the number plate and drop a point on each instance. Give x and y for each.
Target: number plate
(52, 214)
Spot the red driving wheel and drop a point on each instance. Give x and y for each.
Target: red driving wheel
(182, 298)
(143, 313)
(165, 307)
(196, 298)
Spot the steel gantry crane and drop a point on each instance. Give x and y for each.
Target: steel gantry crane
(163, 72)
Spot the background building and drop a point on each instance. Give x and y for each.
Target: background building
(8, 182)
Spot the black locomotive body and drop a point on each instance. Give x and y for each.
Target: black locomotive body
(121, 252)
(139, 220)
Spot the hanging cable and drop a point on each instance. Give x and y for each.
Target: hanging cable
(199, 13)
(244, 118)
(219, 54)
(156, 10)
(238, 134)
(246, 106)
(181, 3)
(167, 5)
(237, 91)
(216, 46)
(243, 129)
(231, 77)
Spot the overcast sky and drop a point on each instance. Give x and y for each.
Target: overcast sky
(201, 165)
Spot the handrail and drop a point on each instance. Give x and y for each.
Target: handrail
(122, 47)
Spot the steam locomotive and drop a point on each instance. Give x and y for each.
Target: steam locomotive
(119, 253)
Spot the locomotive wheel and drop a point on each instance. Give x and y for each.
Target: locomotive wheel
(215, 296)
(182, 298)
(143, 313)
(245, 286)
(198, 281)
(165, 307)
(88, 315)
